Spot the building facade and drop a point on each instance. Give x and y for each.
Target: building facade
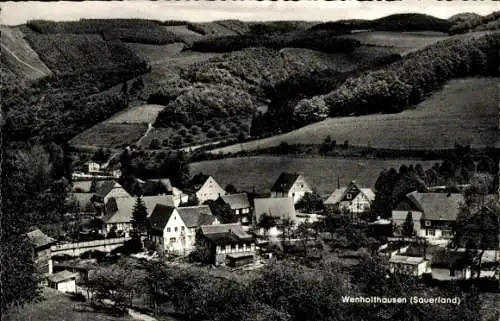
(290, 185)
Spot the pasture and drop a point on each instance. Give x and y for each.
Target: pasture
(138, 114)
(110, 135)
(403, 41)
(260, 172)
(464, 111)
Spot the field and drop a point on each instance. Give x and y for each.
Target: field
(57, 306)
(464, 111)
(18, 58)
(183, 33)
(110, 135)
(403, 41)
(260, 172)
(139, 114)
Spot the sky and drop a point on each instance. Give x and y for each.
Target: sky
(14, 13)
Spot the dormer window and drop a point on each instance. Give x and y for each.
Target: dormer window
(349, 196)
(427, 223)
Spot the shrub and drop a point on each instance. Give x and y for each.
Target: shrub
(155, 144)
(183, 132)
(234, 130)
(212, 133)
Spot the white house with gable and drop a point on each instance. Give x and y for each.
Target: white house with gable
(351, 198)
(174, 229)
(206, 188)
(290, 185)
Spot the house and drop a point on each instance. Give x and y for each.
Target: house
(408, 265)
(119, 211)
(290, 185)
(64, 281)
(433, 214)
(205, 188)
(240, 205)
(174, 229)
(110, 189)
(41, 244)
(351, 198)
(228, 243)
(93, 167)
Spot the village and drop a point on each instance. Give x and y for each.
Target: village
(209, 225)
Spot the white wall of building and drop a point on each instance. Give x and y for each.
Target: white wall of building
(210, 190)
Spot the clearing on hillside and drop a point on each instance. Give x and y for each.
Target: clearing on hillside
(138, 114)
(109, 135)
(19, 60)
(464, 111)
(403, 41)
(260, 172)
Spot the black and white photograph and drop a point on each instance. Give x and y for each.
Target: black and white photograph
(250, 160)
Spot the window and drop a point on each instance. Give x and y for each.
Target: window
(349, 196)
(175, 229)
(427, 223)
(172, 240)
(168, 229)
(182, 228)
(430, 232)
(301, 185)
(452, 272)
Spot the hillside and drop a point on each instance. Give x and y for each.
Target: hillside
(477, 23)
(260, 172)
(464, 111)
(395, 22)
(19, 61)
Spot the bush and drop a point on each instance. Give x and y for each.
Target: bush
(212, 133)
(234, 130)
(155, 144)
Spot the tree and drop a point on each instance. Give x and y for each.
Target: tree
(408, 229)
(266, 222)
(202, 250)
(305, 233)
(222, 211)
(231, 189)
(140, 216)
(93, 185)
(155, 144)
(311, 202)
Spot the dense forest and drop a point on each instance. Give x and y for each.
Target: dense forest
(396, 22)
(391, 88)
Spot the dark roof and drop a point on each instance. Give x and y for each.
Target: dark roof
(160, 216)
(446, 258)
(284, 182)
(105, 188)
(437, 206)
(194, 216)
(125, 207)
(62, 276)
(221, 234)
(236, 201)
(39, 239)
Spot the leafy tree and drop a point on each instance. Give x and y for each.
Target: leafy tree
(231, 189)
(266, 222)
(311, 202)
(408, 229)
(202, 250)
(93, 185)
(305, 233)
(155, 144)
(222, 211)
(140, 216)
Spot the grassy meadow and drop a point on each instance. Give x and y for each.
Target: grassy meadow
(110, 135)
(464, 111)
(138, 114)
(260, 172)
(57, 306)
